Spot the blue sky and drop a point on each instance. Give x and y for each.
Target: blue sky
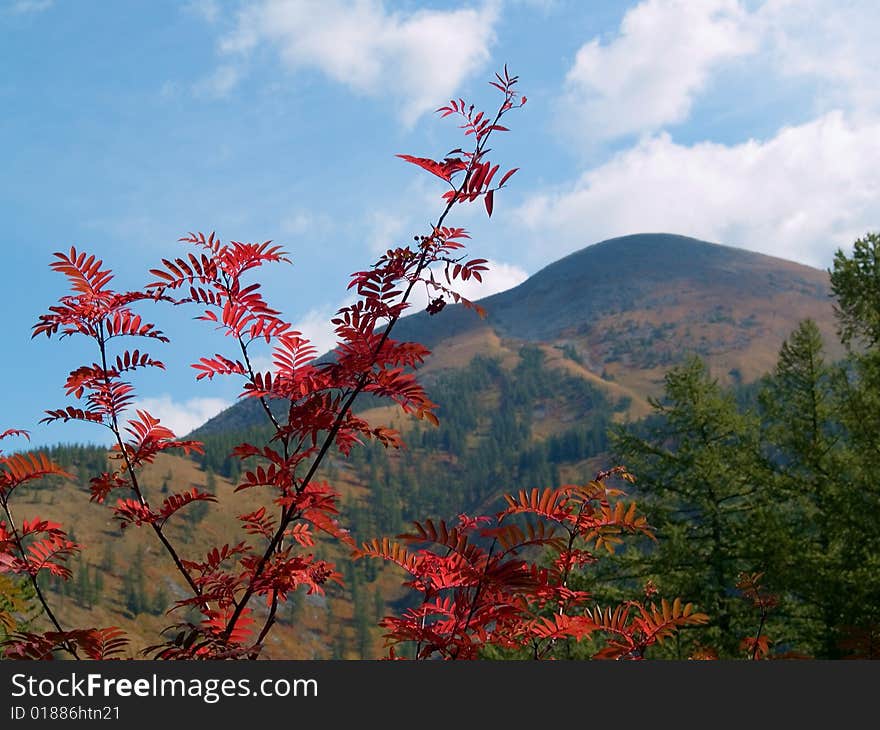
(127, 124)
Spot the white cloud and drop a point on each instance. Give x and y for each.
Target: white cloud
(798, 195)
(260, 363)
(419, 57)
(829, 40)
(650, 73)
(182, 417)
(500, 277)
(315, 326)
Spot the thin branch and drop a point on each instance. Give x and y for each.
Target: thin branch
(359, 386)
(759, 632)
(135, 486)
(68, 646)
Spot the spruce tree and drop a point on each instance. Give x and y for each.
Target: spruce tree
(806, 556)
(697, 467)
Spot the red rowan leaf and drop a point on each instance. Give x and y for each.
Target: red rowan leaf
(218, 365)
(561, 626)
(135, 359)
(475, 184)
(15, 432)
(175, 502)
(488, 180)
(101, 485)
(302, 535)
(512, 537)
(102, 644)
(444, 170)
(84, 273)
(72, 414)
(48, 553)
(130, 511)
(24, 467)
(216, 557)
(258, 522)
(216, 621)
(506, 176)
(126, 323)
(387, 550)
(704, 653)
(95, 643)
(756, 647)
(149, 437)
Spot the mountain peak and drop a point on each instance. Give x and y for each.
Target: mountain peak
(629, 308)
(621, 273)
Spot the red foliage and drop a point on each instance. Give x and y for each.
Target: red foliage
(488, 586)
(749, 585)
(36, 546)
(99, 644)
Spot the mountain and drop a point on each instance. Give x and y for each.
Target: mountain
(527, 395)
(621, 312)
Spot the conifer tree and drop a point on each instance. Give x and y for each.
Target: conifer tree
(807, 530)
(697, 468)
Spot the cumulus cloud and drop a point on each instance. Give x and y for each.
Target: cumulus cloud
(182, 417)
(649, 74)
(500, 277)
(418, 57)
(799, 195)
(828, 40)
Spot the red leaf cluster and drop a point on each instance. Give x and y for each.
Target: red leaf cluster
(486, 586)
